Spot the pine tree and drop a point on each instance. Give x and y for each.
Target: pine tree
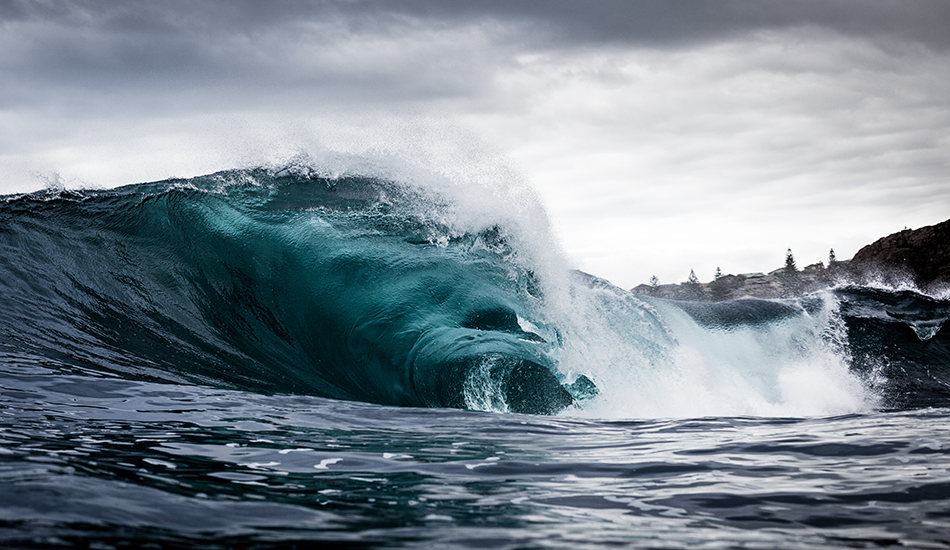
(831, 258)
(790, 267)
(791, 283)
(691, 289)
(654, 285)
(718, 288)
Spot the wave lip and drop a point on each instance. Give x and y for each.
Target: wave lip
(357, 288)
(277, 282)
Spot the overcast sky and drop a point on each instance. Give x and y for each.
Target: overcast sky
(662, 136)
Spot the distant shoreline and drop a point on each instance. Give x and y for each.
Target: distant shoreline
(920, 257)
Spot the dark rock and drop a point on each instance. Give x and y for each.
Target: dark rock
(922, 254)
(725, 287)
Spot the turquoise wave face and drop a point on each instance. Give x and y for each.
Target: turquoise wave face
(343, 288)
(364, 289)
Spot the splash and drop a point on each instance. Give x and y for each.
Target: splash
(385, 285)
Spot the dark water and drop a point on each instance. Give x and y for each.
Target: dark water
(268, 359)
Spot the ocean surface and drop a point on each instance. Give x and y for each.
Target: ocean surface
(286, 357)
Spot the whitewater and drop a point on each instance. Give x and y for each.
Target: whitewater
(297, 355)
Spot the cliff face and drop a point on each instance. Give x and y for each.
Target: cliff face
(923, 254)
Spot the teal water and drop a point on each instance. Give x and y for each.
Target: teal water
(272, 358)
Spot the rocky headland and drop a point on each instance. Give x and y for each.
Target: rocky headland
(779, 283)
(920, 256)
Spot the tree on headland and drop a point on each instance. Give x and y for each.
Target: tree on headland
(691, 288)
(790, 267)
(719, 288)
(832, 260)
(791, 283)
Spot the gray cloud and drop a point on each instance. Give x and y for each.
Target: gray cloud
(627, 116)
(665, 22)
(105, 44)
(103, 57)
(108, 56)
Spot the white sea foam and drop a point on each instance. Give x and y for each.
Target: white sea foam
(660, 362)
(646, 360)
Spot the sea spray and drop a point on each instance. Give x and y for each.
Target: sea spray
(281, 281)
(656, 358)
(164, 347)
(327, 282)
